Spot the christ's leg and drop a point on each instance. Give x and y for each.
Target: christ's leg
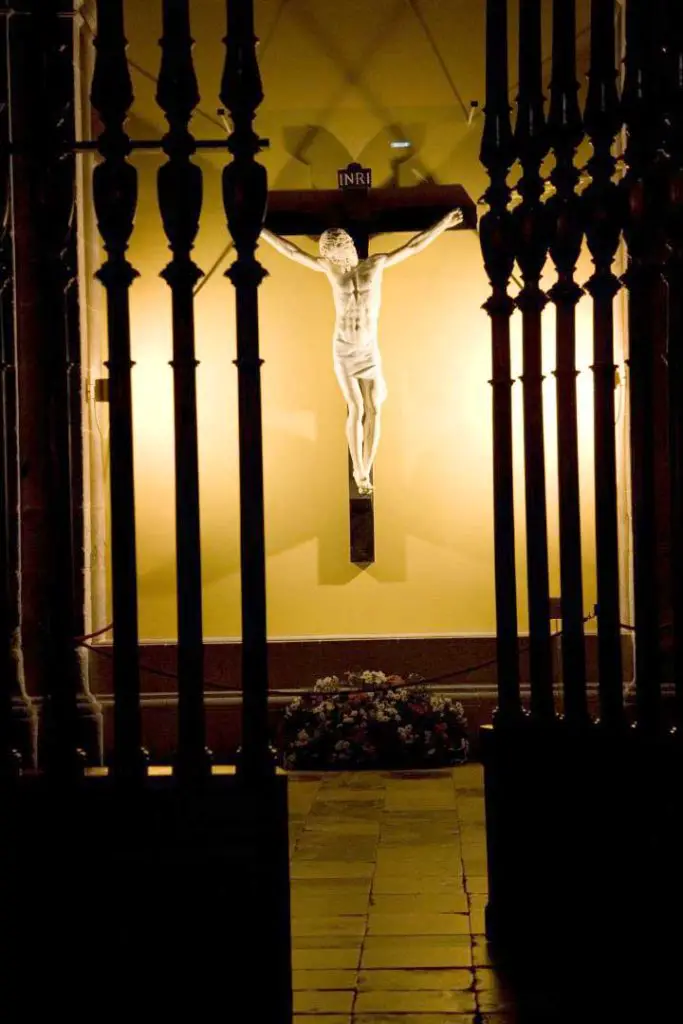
(354, 426)
(374, 393)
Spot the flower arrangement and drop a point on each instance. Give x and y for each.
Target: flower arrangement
(371, 720)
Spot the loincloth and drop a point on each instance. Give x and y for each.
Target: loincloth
(358, 362)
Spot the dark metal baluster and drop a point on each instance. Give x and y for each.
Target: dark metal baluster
(647, 300)
(245, 193)
(565, 134)
(180, 200)
(603, 220)
(531, 249)
(10, 759)
(497, 243)
(115, 197)
(674, 276)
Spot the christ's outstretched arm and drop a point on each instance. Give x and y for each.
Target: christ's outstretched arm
(425, 238)
(291, 251)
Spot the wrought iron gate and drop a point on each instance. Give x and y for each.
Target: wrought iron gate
(199, 856)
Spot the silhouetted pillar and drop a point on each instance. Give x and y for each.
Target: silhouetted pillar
(180, 201)
(603, 219)
(531, 230)
(49, 378)
(245, 191)
(115, 195)
(565, 131)
(647, 302)
(497, 155)
(15, 706)
(673, 110)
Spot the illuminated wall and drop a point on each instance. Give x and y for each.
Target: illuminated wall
(341, 82)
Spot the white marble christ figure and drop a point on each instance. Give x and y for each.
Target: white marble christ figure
(357, 291)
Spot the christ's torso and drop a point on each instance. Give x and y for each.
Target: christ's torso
(357, 296)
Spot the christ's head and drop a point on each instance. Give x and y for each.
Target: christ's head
(336, 245)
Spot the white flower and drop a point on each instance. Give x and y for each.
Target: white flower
(328, 684)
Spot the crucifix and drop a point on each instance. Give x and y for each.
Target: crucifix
(344, 220)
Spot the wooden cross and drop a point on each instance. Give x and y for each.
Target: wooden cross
(363, 212)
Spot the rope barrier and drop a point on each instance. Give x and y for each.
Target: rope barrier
(428, 682)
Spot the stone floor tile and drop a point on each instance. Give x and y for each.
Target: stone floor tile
(385, 883)
(472, 846)
(420, 903)
(477, 922)
(331, 869)
(334, 827)
(481, 952)
(313, 981)
(458, 979)
(327, 940)
(418, 924)
(362, 780)
(329, 926)
(421, 951)
(414, 1018)
(419, 1001)
(475, 866)
(317, 887)
(359, 810)
(325, 959)
(392, 863)
(357, 848)
(426, 802)
(323, 1018)
(349, 795)
(470, 809)
(476, 884)
(323, 1002)
(392, 838)
(334, 904)
(470, 774)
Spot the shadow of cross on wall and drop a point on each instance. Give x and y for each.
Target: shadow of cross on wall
(363, 212)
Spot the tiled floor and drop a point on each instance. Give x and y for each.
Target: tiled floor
(388, 894)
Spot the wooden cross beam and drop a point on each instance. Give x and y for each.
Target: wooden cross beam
(364, 212)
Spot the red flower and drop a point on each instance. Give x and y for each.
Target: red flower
(418, 709)
(441, 727)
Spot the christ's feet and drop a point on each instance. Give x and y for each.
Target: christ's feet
(363, 484)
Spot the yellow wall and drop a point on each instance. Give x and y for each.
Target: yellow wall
(340, 81)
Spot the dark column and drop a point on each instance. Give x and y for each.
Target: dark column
(497, 155)
(245, 191)
(646, 318)
(115, 197)
(15, 707)
(180, 201)
(48, 362)
(603, 218)
(565, 134)
(531, 230)
(673, 105)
